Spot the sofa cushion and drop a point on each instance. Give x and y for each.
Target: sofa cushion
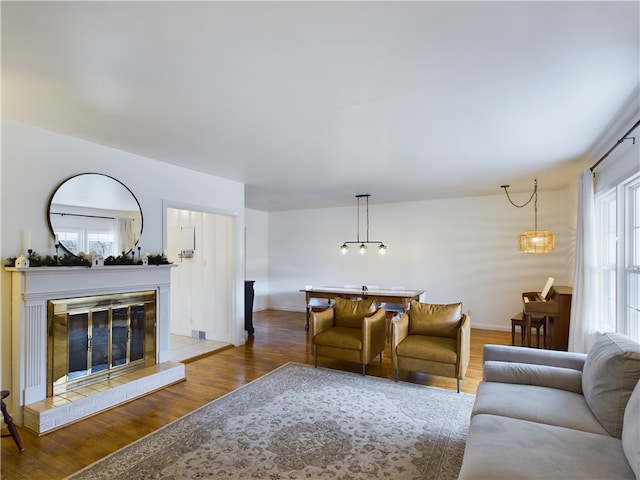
(349, 313)
(536, 404)
(507, 448)
(631, 431)
(434, 349)
(434, 319)
(340, 337)
(610, 373)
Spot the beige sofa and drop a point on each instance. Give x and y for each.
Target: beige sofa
(556, 415)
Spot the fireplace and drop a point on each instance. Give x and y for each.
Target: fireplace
(91, 339)
(87, 339)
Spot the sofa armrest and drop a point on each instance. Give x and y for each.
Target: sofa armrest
(552, 358)
(568, 379)
(545, 368)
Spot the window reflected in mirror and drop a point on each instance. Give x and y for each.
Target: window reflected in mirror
(95, 213)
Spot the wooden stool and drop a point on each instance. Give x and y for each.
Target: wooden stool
(9, 422)
(519, 320)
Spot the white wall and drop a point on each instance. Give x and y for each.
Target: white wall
(35, 161)
(257, 255)
(461, 249)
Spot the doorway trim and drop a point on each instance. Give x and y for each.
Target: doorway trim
(236, 300)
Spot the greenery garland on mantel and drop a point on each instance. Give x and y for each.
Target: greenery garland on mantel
(80, 260)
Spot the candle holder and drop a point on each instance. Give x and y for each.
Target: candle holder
(30, 252)
(55, 258)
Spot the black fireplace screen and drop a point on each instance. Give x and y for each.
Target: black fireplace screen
(92, 338)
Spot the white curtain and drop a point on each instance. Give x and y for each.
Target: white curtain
(125, 238)
(585, 309)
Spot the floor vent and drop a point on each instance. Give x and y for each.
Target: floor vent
(198, 334)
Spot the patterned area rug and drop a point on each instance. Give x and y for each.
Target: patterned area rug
(299, 422)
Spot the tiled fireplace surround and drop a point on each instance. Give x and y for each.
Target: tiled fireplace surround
(32, 288)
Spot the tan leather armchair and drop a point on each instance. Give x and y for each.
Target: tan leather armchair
(351, 330)
(433, 339)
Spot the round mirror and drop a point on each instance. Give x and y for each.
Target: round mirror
(93, 212)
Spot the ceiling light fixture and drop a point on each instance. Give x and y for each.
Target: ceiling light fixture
(382, 249)
(533, 241)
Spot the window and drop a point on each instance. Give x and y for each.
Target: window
(619, 227)
(607, 223)
(87, 241)
(633, 262)
(70, 240)
(101, 243)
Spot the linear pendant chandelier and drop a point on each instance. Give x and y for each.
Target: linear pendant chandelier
(533, 241)
(382, 249)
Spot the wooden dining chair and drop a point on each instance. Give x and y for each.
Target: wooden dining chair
(13, 431)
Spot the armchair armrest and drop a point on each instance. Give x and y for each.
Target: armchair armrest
(376, 320)
(464, 345)
(399, 330)
(322, 321)
(373, 331)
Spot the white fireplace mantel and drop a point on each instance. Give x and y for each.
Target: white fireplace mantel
(33, 287)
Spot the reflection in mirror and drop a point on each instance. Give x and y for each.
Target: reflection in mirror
(93, 212)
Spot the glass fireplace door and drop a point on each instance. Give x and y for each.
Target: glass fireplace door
(137, 332)
(119, 336)
(95, 338)
(99, 340)
(75, 342)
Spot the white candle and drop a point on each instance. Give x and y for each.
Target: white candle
(29, 240)
(57, 242)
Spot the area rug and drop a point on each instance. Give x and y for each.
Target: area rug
(300, 422)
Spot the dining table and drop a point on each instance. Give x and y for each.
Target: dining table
(388, 295)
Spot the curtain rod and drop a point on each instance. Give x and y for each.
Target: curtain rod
(624, 137)
(81, 215)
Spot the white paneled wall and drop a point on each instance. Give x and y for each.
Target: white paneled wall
(201, 297)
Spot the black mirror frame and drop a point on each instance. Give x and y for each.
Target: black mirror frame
(104, 175)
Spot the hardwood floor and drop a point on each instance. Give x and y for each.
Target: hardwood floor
(279, 338)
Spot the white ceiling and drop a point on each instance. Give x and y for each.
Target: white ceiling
(311, 103)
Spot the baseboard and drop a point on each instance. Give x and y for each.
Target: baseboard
(484, 326)
(479, 326)
(287, 309)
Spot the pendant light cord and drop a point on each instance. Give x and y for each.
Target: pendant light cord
(367, 219)
(534, 194)
(358, 219)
